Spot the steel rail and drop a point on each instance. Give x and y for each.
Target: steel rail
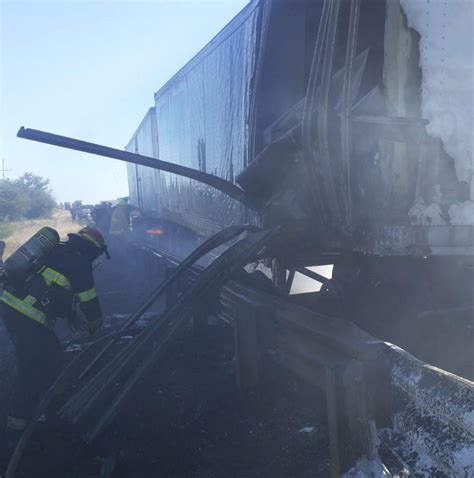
(214, 276)
(85, 398)
(227, 187)
(79, 403)
(72, 408)
(220, 238)
(148, 338)
(380, 386)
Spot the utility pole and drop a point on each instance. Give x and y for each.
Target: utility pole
(4, 170)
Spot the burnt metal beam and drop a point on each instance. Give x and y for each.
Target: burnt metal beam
(220, 184)
(169, 285)
(213, 276)
(347, 95)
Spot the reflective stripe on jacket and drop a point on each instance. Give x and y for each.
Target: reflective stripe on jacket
(72, 267)
(87, 295)
(67, 274)
(24, 306)
(54, 277)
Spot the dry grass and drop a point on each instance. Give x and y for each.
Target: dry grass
(60, 220)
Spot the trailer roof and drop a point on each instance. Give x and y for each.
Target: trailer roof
(150, 111)
(223, 35)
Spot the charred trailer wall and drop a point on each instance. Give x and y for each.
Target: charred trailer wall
(351, 144)
(322, 112)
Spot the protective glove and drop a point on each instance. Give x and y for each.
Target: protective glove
(94, 325)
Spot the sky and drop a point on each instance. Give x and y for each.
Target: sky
(88, 70)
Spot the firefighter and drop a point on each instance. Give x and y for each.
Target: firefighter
(101, 215)
(121, 217)
(120, 223)
(30, 310)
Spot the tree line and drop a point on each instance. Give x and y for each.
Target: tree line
(27, 197)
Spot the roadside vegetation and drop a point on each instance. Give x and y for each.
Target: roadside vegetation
(8, 228)
(28, 197)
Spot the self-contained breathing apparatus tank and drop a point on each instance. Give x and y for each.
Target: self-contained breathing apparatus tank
(29, 257)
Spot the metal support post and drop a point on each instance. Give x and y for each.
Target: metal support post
(357, 416)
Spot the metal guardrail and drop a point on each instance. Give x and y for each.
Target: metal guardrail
(381, 401)
(331, 354)
(433, 413)
(374, 390)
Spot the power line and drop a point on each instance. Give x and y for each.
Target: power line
(3, 170)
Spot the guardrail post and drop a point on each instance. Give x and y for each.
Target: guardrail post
(379, 389)
(246, 345)
(351, 424)
(359, 439)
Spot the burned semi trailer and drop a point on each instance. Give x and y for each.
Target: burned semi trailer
(200, 118)
(344, 129)
(349, 123)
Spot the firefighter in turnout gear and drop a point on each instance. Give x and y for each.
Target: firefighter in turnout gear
(30, 308)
